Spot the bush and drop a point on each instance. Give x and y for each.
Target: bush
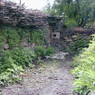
(12, 37)
(49, 51)
(42, 51)
(2, 39)
(77, 45)
(12, 63)
(85, 70)
(71, 23)
(37, 37)
(22, 56)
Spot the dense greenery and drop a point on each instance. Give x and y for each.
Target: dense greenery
(37, 37)
(14, 36)
(13, 62)
(41, 51)
(77, 45)
(79, 13)
(75, 12)
(9, 36)
(85, 70)
(15, 59)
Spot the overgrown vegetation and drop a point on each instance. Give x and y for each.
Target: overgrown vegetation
(16, 58)
(84, 70)
(37, 37)
(14, 36)
(41, 51)
(74, 12)
(79, 13)
(77, 45)
(12, 64)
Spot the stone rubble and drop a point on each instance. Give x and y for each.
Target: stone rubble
(15, 15)
(58, 56)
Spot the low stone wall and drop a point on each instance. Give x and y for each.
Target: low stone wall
(17, 16)
(73, 40)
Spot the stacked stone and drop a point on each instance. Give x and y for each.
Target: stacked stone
(15, 15)
(9, 13)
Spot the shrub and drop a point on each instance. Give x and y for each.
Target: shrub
(37, 37)
(77, 45)
(12, 63)
(9, 36)
(42, 51)
(22, 56)
(2, 39)
(49, 51)
(85, 70)
(71, 23)
(12, 37)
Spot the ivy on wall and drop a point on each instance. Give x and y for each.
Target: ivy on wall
(14, 36)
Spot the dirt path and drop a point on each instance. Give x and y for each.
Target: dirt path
(53, 78)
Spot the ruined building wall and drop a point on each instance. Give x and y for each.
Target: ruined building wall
(14, 15)
(57, 34)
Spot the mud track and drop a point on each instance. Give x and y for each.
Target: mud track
(52, 78)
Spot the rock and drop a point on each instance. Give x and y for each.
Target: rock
(6, 46)
(58, 56)
(10, 12)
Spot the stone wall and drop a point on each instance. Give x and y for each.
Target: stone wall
(15, 15)
(57, 34)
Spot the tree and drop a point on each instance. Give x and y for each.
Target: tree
(78, 12)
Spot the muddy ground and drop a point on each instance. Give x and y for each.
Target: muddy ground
(52, 78)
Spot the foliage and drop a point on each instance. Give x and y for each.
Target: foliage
(22, 56)
(2, 39)
(37, 37)
(47, 8)
(42, 51)
(23, 33)
(12, 37)
(81, 11)
(85, 69)
(49, 51)
(71, 23)
(78, 44)
(15, 59)
(12, 63)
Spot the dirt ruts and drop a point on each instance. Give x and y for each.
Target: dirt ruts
(52, 78)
